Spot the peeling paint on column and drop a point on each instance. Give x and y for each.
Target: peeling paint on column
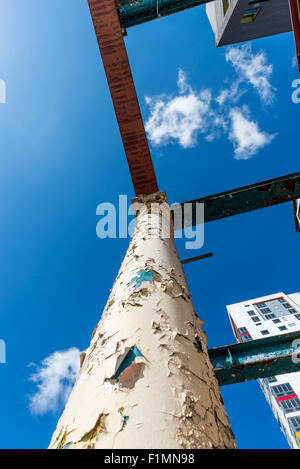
(147, 366)
(142, 276)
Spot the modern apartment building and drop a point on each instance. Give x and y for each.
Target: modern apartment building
(273, 315)
(235, 21)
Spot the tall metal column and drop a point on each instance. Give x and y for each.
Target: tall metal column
(146, 380)
(295, 16)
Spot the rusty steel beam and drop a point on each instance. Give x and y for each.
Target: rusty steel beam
(260, 358)
(118, 73)
(295, 17)
(242, 200)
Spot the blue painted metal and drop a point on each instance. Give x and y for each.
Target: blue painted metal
(142, 276)
(256, 359)
(129, 358)
(244, 199)
(134, 12)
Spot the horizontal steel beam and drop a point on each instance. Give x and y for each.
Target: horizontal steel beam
(256, 359)
(133, 12)
(245, 199)
(118, 73)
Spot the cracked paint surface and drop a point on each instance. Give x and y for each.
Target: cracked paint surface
(146, 380)
(142, 276)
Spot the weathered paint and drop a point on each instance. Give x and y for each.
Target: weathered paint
(127, 361)
(142, 276)
(118, 73)
(256, 359)
(134, 12)
(245, 199)
(166, 394)
(295, 16)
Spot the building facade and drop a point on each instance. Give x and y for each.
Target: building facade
(235, 21)
(273, 315)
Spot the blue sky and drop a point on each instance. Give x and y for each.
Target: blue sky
(61, 156)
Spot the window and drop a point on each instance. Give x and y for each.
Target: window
(244, 334)
(270, 316)
(281, 300)
(286, 397)
(226, 4)
(292, 324)
(265, 310)
(265, 332)
(276, 321)
(297, 316)
(294, 423)
(283, 390)
(258, 324)
(261, 305)
(250, 15)
(290, 405)
(286, 305)
(271, 379)
(282, 328)
(251, 313)
(292, 310)
(255, 319)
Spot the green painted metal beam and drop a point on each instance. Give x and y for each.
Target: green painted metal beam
(256, 359)
(134, 12)
(245, 199)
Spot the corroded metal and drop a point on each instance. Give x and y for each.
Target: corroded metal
(295, 16)
(256, 359)
(115, 60)
(242, 200)
(133, 12)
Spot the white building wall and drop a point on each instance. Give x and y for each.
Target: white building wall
(244, 315)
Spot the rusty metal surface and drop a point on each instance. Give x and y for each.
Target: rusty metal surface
(295, 16)
(260, 358)
(114, 56)
(133, 12)
(244, 199)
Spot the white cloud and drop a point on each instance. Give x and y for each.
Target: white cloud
(54, 379)
(245, 134)
(180, 117)
(253, 69)
(183, 117)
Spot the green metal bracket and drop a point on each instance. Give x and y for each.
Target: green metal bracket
(256, 359)
(133, 12)
(245, 199)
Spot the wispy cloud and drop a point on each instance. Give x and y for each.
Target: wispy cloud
(54, 379)
(183, 117)
(245, 134)
(253, 69)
